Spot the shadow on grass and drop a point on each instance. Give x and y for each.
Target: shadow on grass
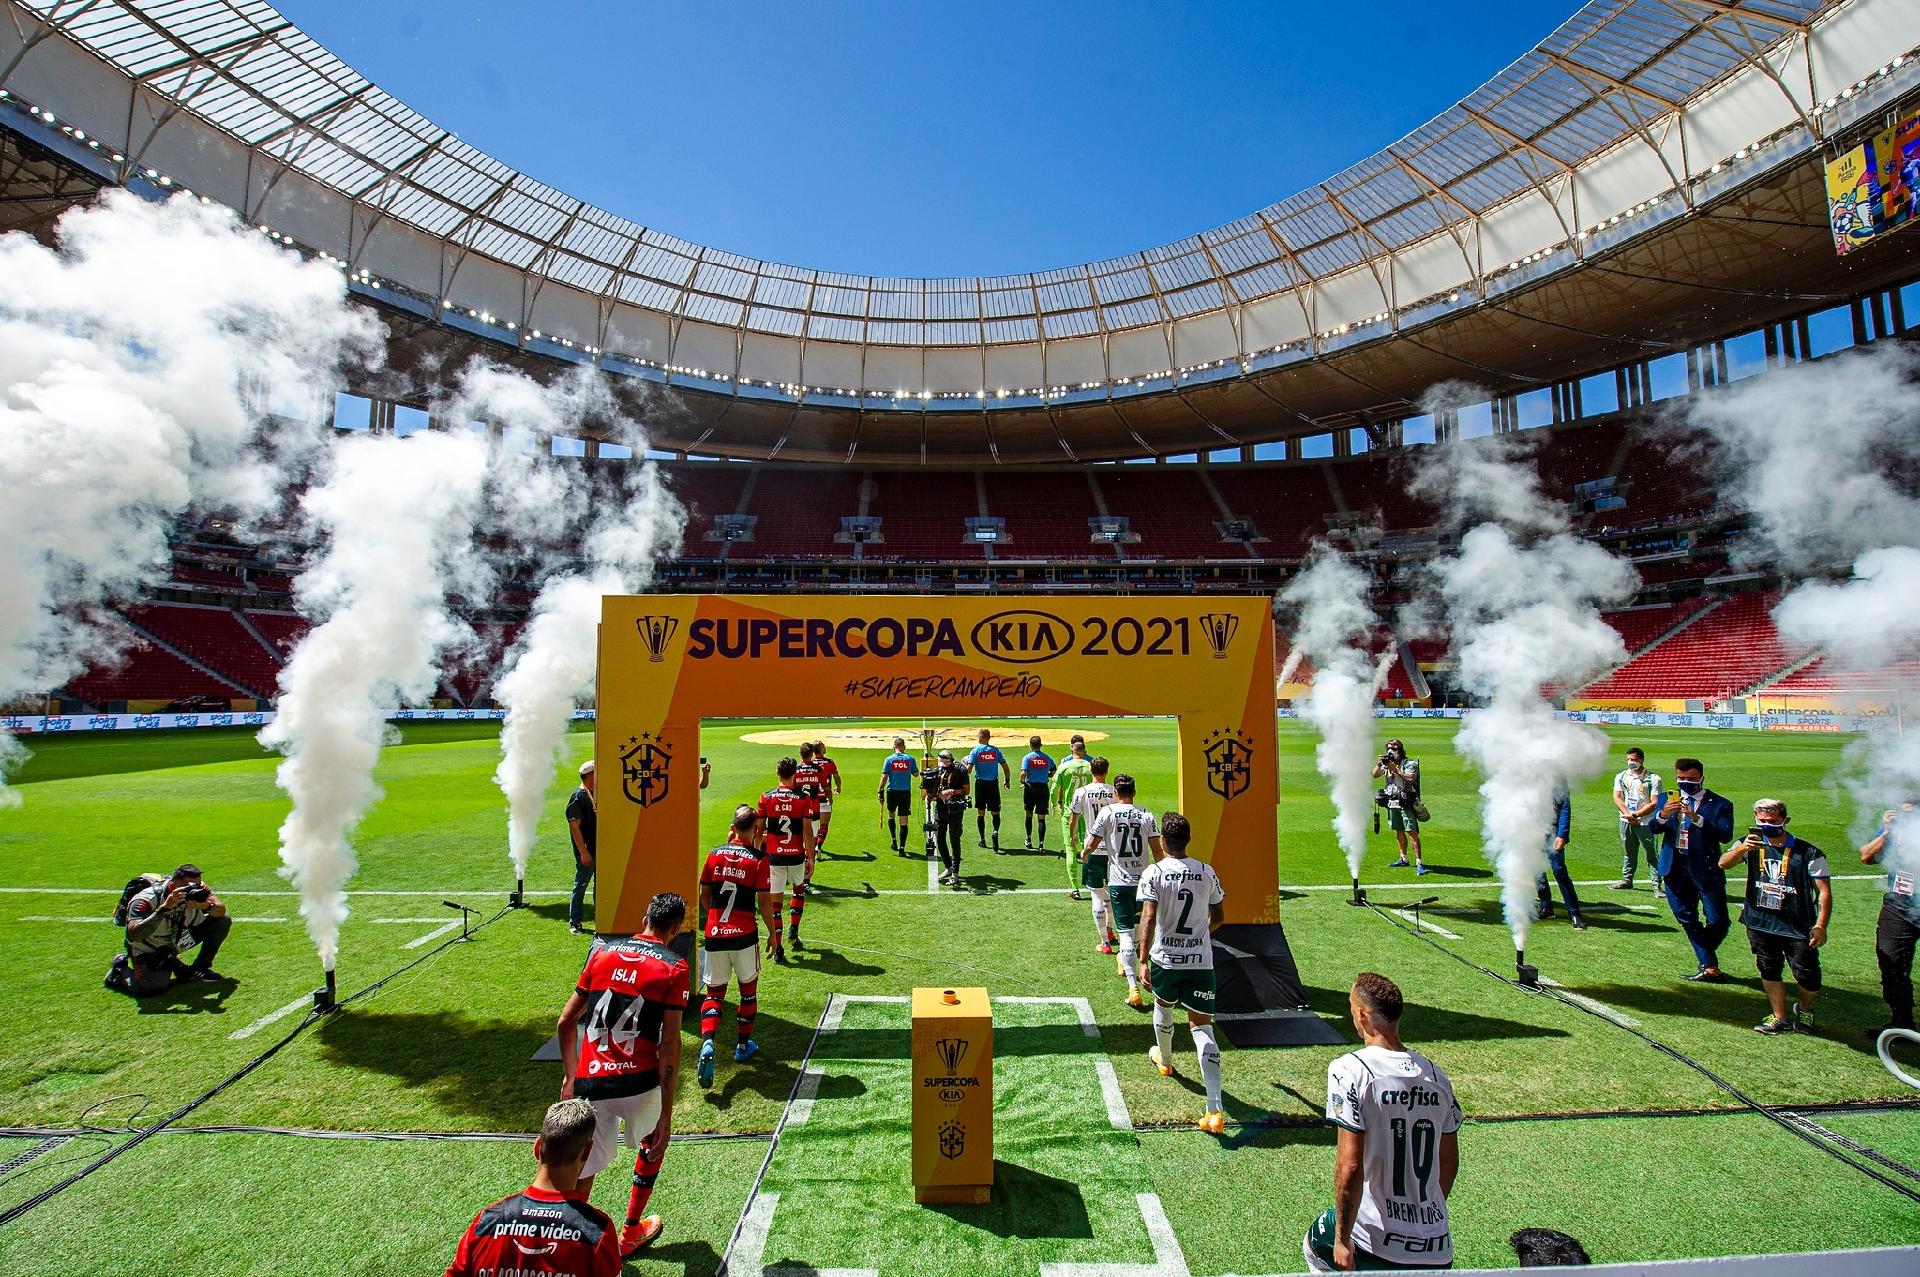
(826, 960)
(1844, 1014)
(189, 999)
(1458, 871)
(1437, 1024)
(478, 1067)
(987, 884)
(1026, 1203)
(693, 1258)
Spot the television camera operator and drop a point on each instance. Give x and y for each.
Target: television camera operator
(163, 921)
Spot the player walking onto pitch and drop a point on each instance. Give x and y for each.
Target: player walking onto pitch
(829, 773)
(808, 780)
(988, 767)
(1073, 772)
(1036, 770)
(632, 994)
(898, 772)
(1398, 1151)
(1127, 832)
(1088, 802)
(1180, 905)
(787, 838)
(733, 884)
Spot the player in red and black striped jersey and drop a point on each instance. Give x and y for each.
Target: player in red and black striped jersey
(787, 814)
(548, 1227)
(632, 995)
(807, 778)
(734, 883)
(829, 773)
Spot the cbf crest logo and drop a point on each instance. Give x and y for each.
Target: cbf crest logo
(1219, 629)
(655, 632)
(644, 765)
(1229, 762)
(953, 1140)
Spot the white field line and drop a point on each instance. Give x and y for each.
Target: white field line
(271, 1017)
(433, 935)
(933, 879)
(1598, 1008)
(1168, 1259)
(1427, 923)
(749, 1254)
(1116, 1104)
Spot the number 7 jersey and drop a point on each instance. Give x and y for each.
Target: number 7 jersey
(1402, 1103)
(737, 876)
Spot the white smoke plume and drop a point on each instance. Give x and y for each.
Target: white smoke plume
(397, 516)
(1335, 621)
(1522, 597)
(554, 664)
(138, 363)
(1821, 455)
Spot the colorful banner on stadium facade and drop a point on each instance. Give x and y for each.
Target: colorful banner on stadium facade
(1896, 159)
(1853, 198)
(668, 662)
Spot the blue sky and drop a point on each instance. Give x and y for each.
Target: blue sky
(928, 139)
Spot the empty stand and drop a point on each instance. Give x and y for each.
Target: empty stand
(214, 637)
(705, 491)
(800, 512)
(1642, 625)
(923, 514)
(145, 672)
(1822, 677)
(1169, 509)
(1046, 515)
(283, 629)
(1288, 504)
(1729, 649)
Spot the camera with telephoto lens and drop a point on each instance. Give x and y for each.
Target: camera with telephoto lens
(197, 892)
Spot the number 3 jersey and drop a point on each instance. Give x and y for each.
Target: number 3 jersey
(629, 987)
(1182, 890)
(786, 812)
(1403, 1104)
(735, 876)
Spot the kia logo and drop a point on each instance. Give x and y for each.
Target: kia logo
(1023, 636)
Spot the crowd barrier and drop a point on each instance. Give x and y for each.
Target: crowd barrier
(1772, 720)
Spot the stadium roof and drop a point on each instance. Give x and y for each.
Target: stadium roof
(1632, 115)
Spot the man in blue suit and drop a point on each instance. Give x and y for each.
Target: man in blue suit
(1695, 825)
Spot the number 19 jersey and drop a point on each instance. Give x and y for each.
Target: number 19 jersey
(1182, 890)
(1403, 1103)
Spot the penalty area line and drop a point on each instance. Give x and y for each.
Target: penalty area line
(1168, 1259)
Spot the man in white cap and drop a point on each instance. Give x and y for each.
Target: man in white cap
(580, 818)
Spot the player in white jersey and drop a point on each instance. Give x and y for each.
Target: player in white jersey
(1180, 905)
(1128, 834)
(1088, 802)
(1398, 1150)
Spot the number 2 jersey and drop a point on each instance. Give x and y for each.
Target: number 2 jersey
(786, 813)
(1126, 833)
(735, 877)
(1403, 1103)
(1182, 890)
(629, 986)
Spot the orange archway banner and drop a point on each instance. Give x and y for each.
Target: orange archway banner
(667, 662)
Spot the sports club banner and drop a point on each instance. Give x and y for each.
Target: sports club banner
(667, 662)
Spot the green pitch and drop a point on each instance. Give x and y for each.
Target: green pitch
(1572, 1122)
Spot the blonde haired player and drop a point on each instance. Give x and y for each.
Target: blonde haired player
(1181, 902)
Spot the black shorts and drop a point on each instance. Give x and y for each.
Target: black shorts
(899, 801)
(986, 795)
(1771, 952)
(1034, 794)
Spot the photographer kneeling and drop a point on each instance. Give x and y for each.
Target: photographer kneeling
(164, 921)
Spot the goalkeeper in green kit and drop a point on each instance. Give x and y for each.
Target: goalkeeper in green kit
(1074, 771)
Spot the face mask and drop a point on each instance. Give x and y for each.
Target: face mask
(1768, 829)
(1636, 768)
(1689, 786)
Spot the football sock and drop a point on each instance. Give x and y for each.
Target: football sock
(1209, 1052)
(1030, 827)
(1128, 957)
(996, 826)
(981, 821)
(1043, 831)
(749, 1007)
(710, 1015)
(646, 1169)
(1163, 1032)
(798, 907)
(1102, 912)
(775, 930)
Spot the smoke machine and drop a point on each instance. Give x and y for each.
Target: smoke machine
(1525, 975)
(518, 898)
(323, 997)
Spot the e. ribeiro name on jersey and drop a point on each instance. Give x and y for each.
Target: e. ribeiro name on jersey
(1182, 890)
(1403, 1104)
(1127, 832)
(736, 875)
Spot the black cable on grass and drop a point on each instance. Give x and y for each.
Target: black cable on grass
(773, 1144)
(146, 1133)
(1784, 1120)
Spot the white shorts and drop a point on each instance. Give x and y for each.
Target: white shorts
(717, 965)
(640, 1113)
(826, 806)
(782, 879)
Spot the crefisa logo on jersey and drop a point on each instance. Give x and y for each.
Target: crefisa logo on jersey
(644, 767)
(1229, 757)
(656, 632)
(1219, 627)
(1023, 636)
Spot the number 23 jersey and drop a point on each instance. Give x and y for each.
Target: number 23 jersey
(1403, 1103)
(629, 988)
(1182, 890)
(1127, 833)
